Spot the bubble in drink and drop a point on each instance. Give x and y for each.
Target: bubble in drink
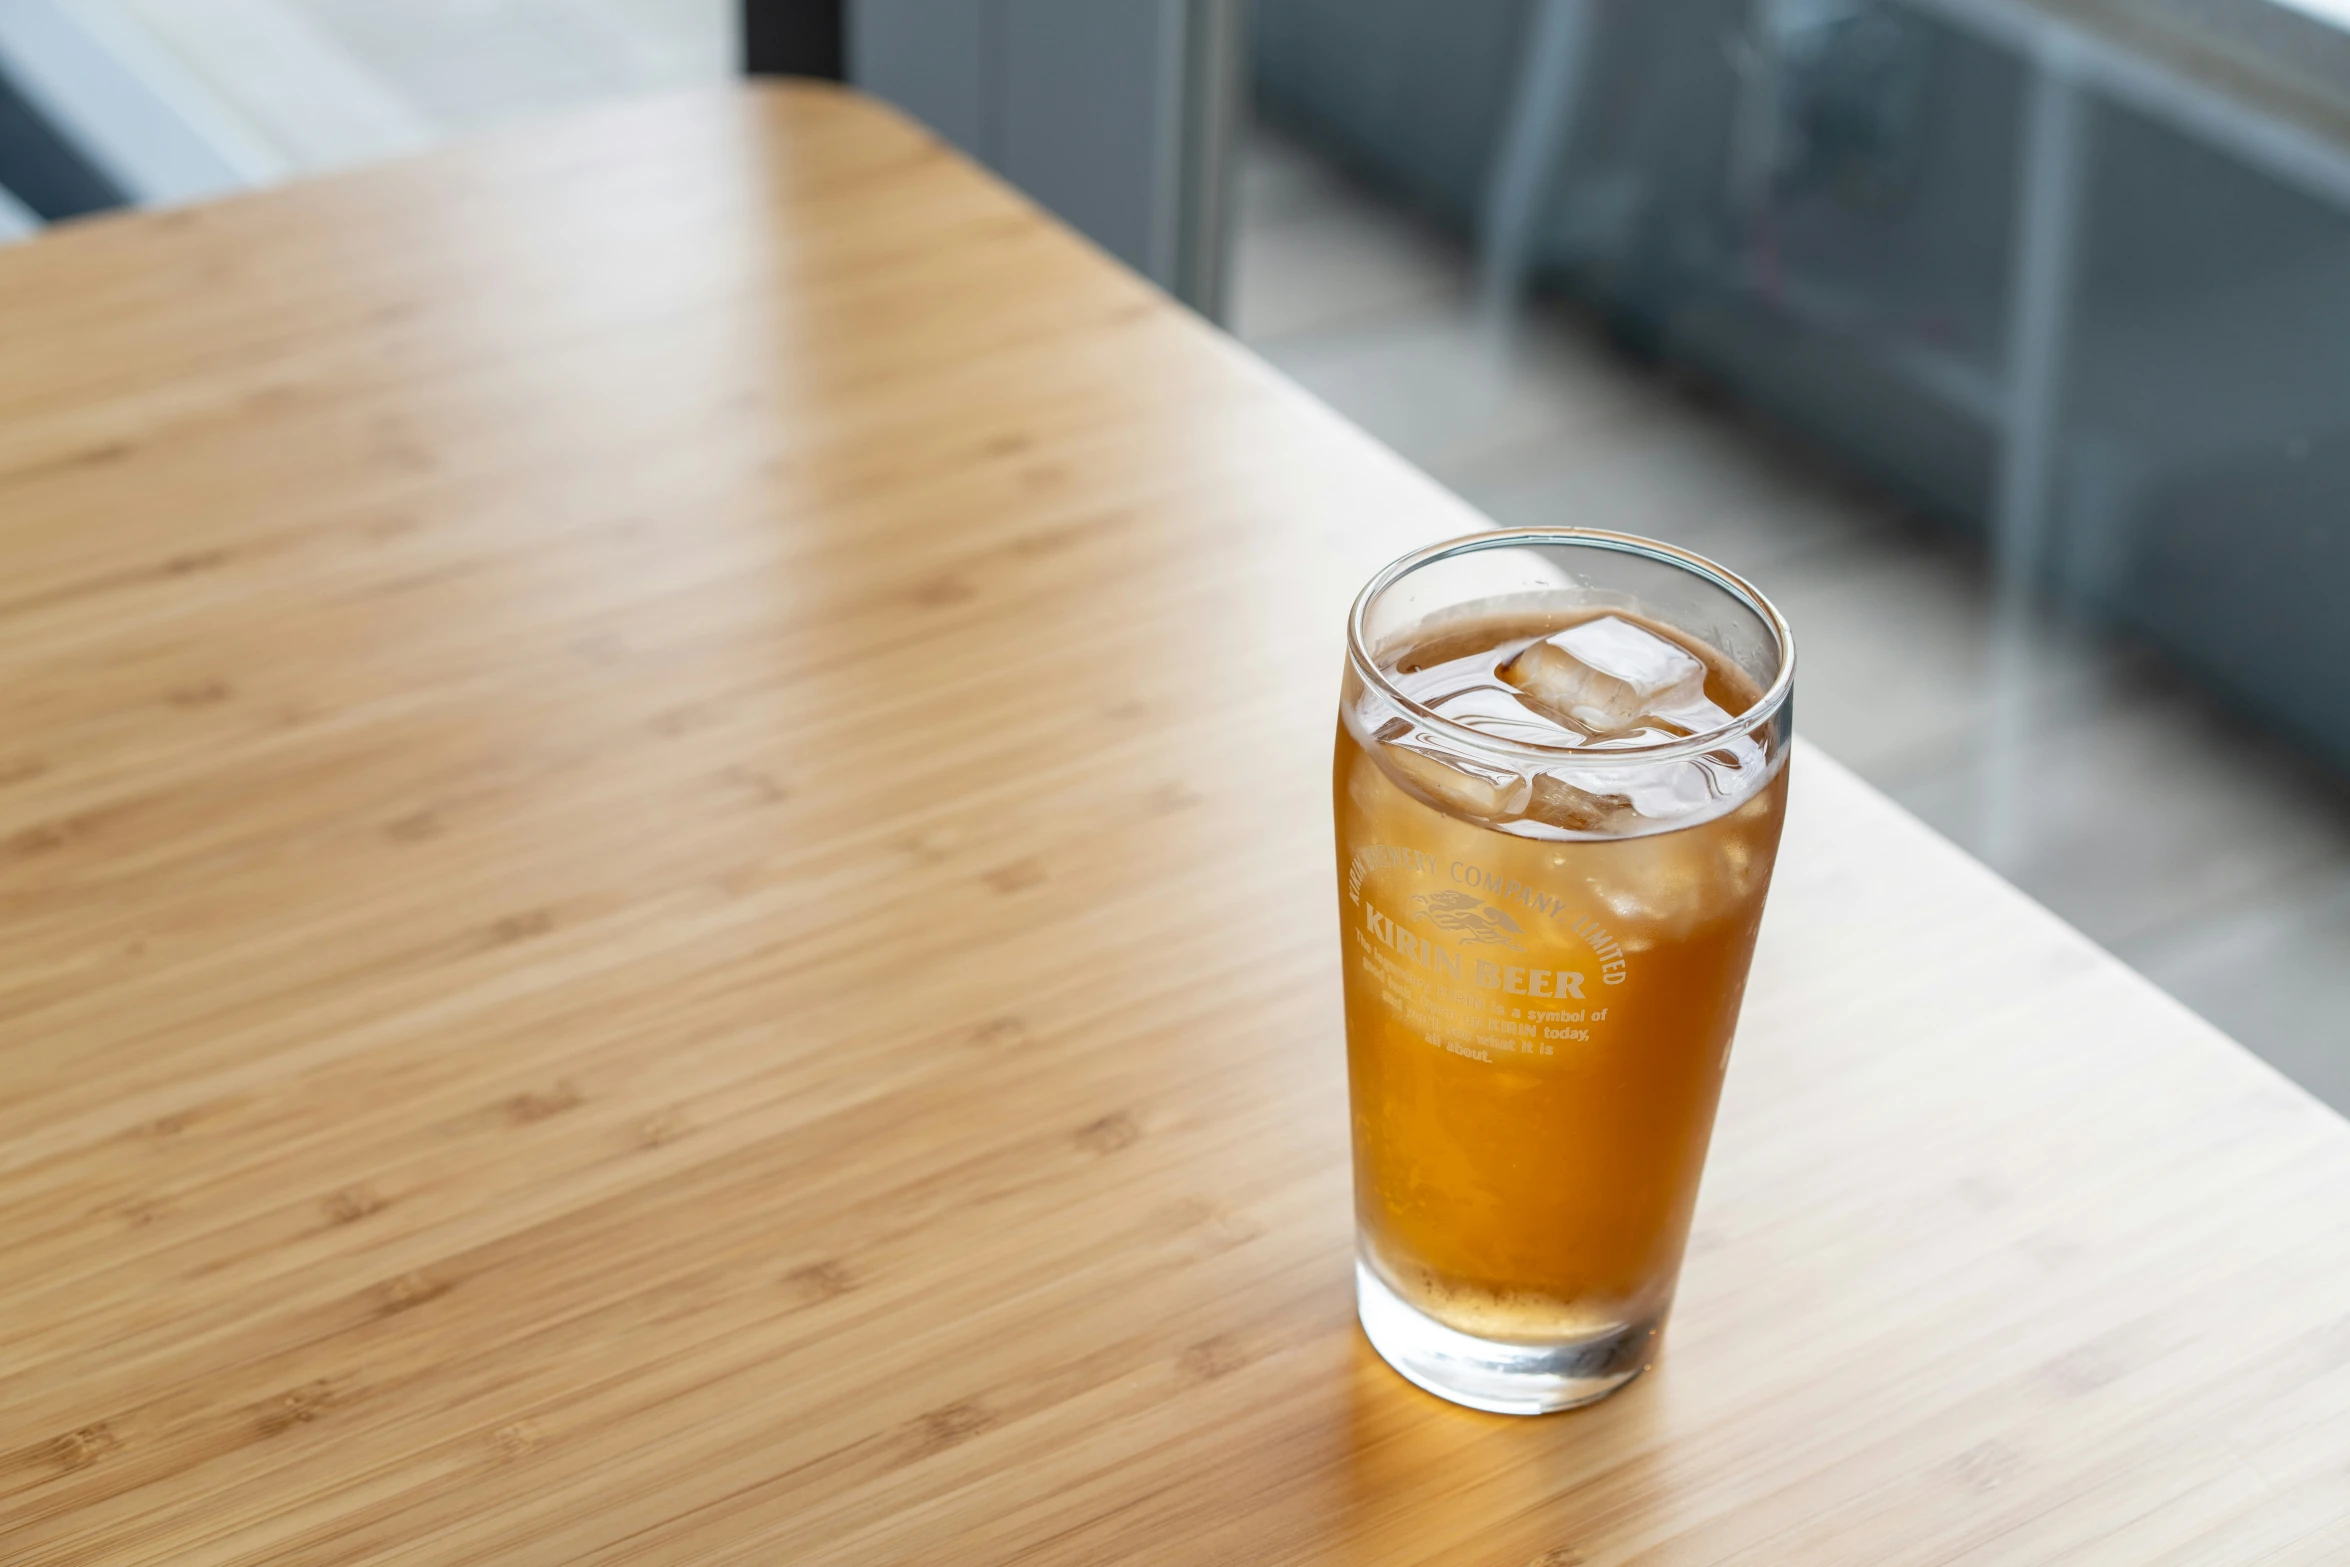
(1608, 676)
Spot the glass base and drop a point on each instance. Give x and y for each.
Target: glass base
(1507, 1379)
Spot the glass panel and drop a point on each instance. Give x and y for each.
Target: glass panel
(2004, 343)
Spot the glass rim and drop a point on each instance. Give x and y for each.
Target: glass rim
(1763, 709)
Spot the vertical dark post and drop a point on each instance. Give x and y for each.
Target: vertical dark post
(796, 38)
(44, 170)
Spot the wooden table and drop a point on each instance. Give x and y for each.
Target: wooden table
(667, 899)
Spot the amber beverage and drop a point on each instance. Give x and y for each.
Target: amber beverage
(1560, 777)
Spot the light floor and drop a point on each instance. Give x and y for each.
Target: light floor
(2201, 852)
(2206, 855)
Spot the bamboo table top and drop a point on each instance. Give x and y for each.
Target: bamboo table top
(667, 899)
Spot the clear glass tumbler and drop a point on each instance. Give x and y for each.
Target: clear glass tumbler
(1560, 778)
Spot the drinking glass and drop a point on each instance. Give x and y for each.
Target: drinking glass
(1546, 929)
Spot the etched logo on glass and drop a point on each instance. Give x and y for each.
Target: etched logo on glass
(1473, 921)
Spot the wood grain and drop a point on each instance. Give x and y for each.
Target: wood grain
(667, 899)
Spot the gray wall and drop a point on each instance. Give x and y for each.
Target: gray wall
(1115, 114)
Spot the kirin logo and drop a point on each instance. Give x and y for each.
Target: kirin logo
(1474, 921)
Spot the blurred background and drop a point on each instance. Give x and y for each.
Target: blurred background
(2006, 343)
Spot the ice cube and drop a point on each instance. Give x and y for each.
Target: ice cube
(1467, 783)
(1556, 802)
(1665, 885)
(1607, 675)
(1641, 794)
(1503, 713)
(1431, 683)
(1651, 793)
(1692, 718)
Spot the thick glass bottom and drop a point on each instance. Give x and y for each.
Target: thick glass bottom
(1508, 1379)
